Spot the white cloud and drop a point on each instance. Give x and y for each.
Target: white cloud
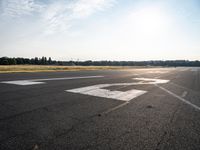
(83, 8)
(17, 8)
(54, 16)
(59, 16)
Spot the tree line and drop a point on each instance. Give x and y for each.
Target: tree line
(49, 61)
(26, 61)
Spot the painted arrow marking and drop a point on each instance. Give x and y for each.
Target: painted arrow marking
(96, 90)
(99, 91)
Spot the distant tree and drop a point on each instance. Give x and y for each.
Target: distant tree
(49, 61)
(27, 61)
(12, 61)
(42, 60)
(36, 61)
(45, 60)
(4, 61)
(32, 61)
(19, 61)
(60, 63)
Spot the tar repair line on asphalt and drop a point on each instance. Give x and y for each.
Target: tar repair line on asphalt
(178, 97)
(35, 81)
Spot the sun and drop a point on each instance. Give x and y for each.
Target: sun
(149, 21)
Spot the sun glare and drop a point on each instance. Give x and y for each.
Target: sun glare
(145, 30)
(150, 21)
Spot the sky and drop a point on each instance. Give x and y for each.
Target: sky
(128, 30)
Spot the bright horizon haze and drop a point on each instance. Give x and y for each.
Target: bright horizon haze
(134, 30)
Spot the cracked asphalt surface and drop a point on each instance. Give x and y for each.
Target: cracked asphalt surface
(46, 117)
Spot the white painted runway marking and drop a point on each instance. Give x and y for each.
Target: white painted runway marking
(151, 81)
(67, 78)
(97, 90)
(35, 81)
(157, 72)
(157, 77)
(114, 108)
(183, 69)
(195, 69)
(150, 72)
(178, 97)
(23, 82)
(184, 94)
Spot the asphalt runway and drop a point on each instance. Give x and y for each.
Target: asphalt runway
(152, 108)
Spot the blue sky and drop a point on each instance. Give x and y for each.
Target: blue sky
(101, 29)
